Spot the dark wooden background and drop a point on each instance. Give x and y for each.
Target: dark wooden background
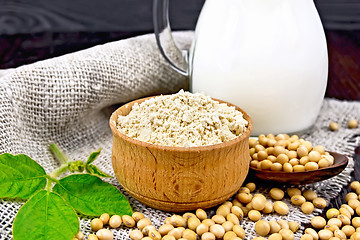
(40, 29)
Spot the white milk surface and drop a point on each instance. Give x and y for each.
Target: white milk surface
(268, 57)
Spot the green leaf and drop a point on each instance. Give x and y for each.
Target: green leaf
(59, 155)
(92, 196)
(93, 156)
(45, 216)
(20, 176)
(93, 170)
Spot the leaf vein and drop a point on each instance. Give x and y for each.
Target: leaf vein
(61, 214)
(46, 212)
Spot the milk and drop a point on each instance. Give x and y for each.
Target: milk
(268, 57)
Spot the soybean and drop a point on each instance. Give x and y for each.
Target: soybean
(202, 228)
(251, 186)
(155, 235)
(325, 234)
(283, 224)
(201, 214)
(354, 185)
(219, 219)
(105, 234)
(92, 237)
(319, 203)
(238, 211)
(286, 234)
(254, 215)
(177, 221)
(331, 227)
(340, 234)
(167, 237)
(258, 203)
(354, 203)
(230, 235)
(96, 224)
(348, 230)
(275, 236)
(348, 208)
(332, 213)
(228, 203)
(80, 235)
(147, 229)
(311, 166)
(176, 232)
(312, 232)
(143, 223)
(128, 221)
(223, 210)
(208, 236)
(269, 208)
(137, 216)
(244, 197)
(350, 195)
(136, 235)
(228, 226)
(240, 232)
(318, 222)
(306, 236)
(352, 123)
(165, 229)
(334, 221)
(232, 218)
(307, 207)
(217, 230)
(276, 194)
(293, 191)
(281, 208)
(189, 234)
(333, 126)
(297, 200)
(262, 227)
(274, 226)
(356, 222)
(208, 222)
(105, 218)
(309, 195)
(193, 223)
(293, 226)
(345, 211)
(344, 219)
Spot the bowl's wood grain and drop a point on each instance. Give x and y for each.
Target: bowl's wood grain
(177, 178)
(340, 162)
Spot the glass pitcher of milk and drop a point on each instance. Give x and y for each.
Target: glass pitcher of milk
(269, 57)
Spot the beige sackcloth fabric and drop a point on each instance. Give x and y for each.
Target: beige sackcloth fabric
(68, 100)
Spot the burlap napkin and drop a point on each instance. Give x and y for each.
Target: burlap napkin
(68, 99)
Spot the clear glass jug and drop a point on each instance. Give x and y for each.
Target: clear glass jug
(268, 57)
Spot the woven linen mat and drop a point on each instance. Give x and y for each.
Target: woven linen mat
(68, 100)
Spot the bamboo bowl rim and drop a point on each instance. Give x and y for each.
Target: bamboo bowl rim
(116, 132)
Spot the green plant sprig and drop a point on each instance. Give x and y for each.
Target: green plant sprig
(51, 210)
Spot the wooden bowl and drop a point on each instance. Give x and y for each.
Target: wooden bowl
(340, 162)
(179, 179)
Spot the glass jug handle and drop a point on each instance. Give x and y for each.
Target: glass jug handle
(165, 42)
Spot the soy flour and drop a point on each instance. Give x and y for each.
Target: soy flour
(183, 119)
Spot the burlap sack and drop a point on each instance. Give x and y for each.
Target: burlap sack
(68, 100)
